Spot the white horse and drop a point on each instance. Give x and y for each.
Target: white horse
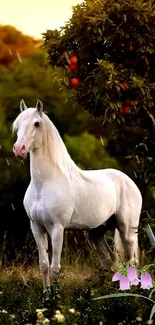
(62, 196)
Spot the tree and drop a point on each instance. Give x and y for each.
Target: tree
(13, 44)
(92, 153)
(114, 43)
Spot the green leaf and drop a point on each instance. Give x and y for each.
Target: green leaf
(112, 105)
(146, 267)
(119, 295)
(150, 295)
(128, 265)
(123, 272)
(152, 312)
(113, 116)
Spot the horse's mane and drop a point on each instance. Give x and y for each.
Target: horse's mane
(58, 153)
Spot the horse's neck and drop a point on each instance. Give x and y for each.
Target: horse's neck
(51, 160)
(41, 168)
(46, 163)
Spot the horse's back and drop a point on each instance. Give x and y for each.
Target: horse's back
(118, 177)
(123, 181)
(129, 196)
(127, 192)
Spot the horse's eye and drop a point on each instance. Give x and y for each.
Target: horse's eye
(36, 124)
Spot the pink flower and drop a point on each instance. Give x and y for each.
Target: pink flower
(117, 276)
(146, 281)
(124, 283)
(132, 276)
(135, 282)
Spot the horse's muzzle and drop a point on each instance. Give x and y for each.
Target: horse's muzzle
(19, 151)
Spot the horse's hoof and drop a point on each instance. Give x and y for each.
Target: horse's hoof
(46, 294)
(47, 290)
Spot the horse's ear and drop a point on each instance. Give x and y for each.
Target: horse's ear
(39, 106)
(22, 105)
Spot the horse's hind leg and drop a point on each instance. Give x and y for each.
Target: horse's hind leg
(98, 242)
(129, 237)
(42, 244)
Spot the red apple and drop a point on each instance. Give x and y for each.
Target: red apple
(72, 67)
(125, 109)
(73, 59)
(74, 82)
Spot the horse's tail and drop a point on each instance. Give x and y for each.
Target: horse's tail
(118, 248)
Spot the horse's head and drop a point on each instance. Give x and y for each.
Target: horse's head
(29, 128)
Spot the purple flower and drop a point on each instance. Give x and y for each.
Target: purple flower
(124, 283)
(135, 282)
(117, 276)
(132, 276)
(146, 281)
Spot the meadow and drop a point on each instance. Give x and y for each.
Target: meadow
(71, 301)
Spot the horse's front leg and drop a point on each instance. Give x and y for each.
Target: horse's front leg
(41, 239)
(57, 235)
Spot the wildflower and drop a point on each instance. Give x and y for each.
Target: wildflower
(72, 311)
(42, 310)
(40, 315)
(59, 317)
(58, 312)
(12, 316)
(117, 276)
(132, 276)
(46, 321)
(124, 283)
(4, 311)
(139, 318)
(146, 281)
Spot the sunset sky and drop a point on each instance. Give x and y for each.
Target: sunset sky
(34, 17)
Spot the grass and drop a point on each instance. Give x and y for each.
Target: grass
(70, 276)
(21, 291)
(21, 295)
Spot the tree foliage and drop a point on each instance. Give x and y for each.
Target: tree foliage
(89, 152)
(14, 44)
(114, 42)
